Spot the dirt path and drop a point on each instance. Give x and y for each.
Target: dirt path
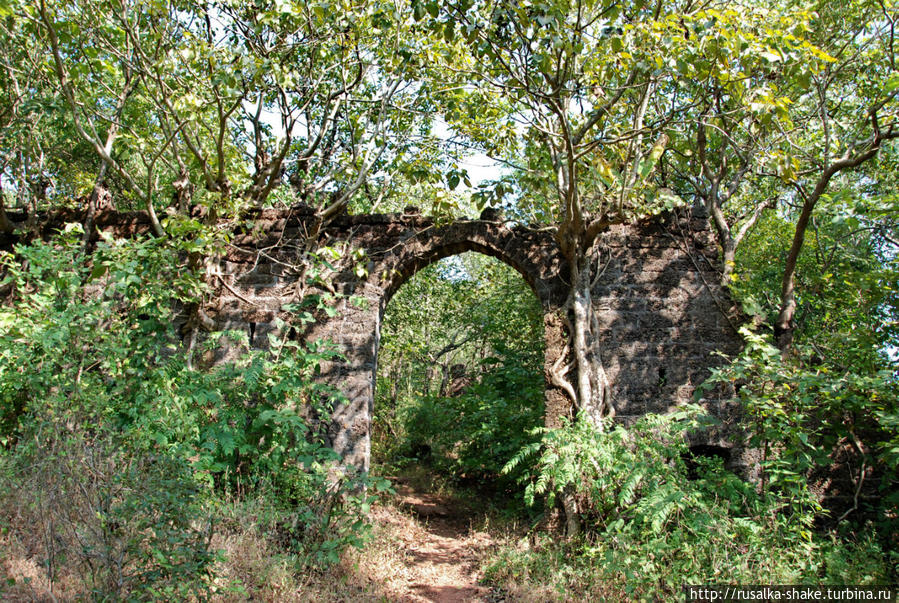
(441, 551)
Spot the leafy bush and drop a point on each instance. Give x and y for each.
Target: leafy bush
(649, 527)
(476, 432)
(799, 412)
(126, 521)
(83, 375)
(126, 446)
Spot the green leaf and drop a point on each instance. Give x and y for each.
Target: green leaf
(98, 271)
(892, 83)
(449, 31)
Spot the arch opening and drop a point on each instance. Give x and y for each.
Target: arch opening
(413, 266)
(459, 380)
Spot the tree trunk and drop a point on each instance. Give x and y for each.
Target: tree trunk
(783, 328)
(722, 229)
(592, 390)
(594, 398)
(729, 261)
(572, 517)
(6, 226)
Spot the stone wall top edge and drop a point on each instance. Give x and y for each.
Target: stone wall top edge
(298, 213)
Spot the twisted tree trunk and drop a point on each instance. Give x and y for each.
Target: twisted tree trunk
(594, 397)
(591, 392)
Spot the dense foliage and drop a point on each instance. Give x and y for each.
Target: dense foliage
(459, 379)
(658, 518)
(116, 446)
(123, 440)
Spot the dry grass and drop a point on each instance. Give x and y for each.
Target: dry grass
(424, 547)
(254, 567)
(23, 574)
(408, 558)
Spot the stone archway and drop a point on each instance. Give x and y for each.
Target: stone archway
(396, 253)
(661, 311)
(453, 339)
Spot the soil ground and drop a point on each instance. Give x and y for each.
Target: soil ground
(444, 545)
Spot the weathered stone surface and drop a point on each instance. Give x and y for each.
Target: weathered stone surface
(660, 310)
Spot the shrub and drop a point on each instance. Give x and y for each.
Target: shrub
(124, 521)
(476, 432)
(125, 445)
(649, 528)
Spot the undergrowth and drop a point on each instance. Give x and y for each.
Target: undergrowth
(122, 455)
(651, 524)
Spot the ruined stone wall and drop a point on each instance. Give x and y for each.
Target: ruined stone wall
(660, 309)
(665, 321)
(259, 276)
(662, 314)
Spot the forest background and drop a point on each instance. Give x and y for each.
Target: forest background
(122, 454)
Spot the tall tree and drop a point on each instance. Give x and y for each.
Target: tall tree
(849, 112)
(224, 103)
(740, 119)
(600, 90)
